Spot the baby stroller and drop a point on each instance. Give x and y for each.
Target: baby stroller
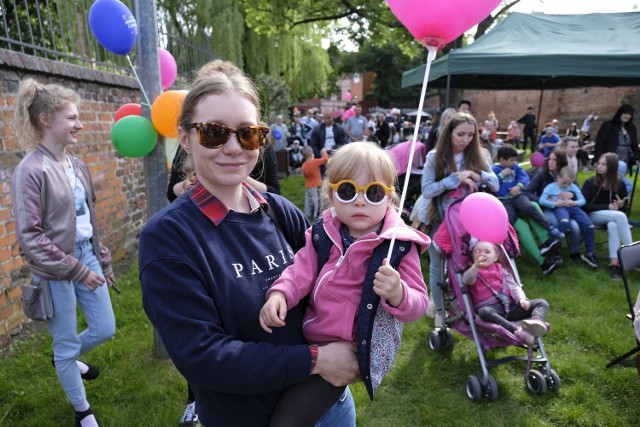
(453, 243)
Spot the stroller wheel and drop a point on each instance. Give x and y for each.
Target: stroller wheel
(490, 391)
(474, 390)
(441, 340)
(553, 381)
(536, 382)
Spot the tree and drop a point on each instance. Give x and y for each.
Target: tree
(388, 62)
(294, 56)
(274, 95)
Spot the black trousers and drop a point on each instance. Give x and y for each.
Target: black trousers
(303, 404)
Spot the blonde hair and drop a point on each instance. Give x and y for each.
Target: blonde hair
(566, 172)
(216, 78)
(355, 157)
(34, 99)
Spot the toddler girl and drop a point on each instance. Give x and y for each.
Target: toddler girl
(359, 187)
(497, 298)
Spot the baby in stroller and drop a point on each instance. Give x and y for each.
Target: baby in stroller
(493, 314)
(497, 298)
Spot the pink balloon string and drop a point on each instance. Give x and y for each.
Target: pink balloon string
(430, 57)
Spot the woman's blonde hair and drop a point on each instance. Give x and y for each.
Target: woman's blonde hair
(215, 78)
(34, 99)
(355, 157)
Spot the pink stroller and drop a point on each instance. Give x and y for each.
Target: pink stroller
(453, 243)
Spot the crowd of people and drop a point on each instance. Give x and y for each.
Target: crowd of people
(265, 331)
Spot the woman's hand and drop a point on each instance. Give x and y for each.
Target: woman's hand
(470, 184)
(93, 280)
(273, 312)
(462, 175)
(619, 202)
(386, 284)
(337, 364)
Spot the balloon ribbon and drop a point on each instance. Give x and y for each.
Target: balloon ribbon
(430, 57)
(138, 79)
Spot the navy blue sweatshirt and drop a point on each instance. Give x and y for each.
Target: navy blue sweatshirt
(203, 287)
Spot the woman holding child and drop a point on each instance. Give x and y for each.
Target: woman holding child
(207, 260)
(547, 174)
(606, 198)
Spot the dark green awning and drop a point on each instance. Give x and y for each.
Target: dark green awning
(533, 51)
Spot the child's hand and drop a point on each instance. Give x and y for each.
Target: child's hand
(506, 171)
(515, 191)
(273, 312)
(525, 303)
(387, 284)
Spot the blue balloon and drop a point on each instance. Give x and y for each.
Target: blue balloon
(276, 134)
(113, 25)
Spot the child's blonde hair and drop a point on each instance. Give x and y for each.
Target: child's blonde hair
(566, 172)
(34, 99)
(350, 159)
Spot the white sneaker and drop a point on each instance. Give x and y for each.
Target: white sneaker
(190, 417)
(535, 327)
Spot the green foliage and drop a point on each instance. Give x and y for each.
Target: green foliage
(275, 97)
(388, 62)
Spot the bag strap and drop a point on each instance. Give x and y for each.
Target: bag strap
(294, 243)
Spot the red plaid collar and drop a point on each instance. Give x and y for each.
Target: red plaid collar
(214, 209)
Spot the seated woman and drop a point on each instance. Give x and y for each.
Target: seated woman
(547, 174)
(606, 197)
(497, 297)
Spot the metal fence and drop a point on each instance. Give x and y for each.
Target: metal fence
(59, 30)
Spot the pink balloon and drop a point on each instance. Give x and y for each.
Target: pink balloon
(168, 68)
(348, 113)
(438, 22)
(537, 159)
(484, 217)
(347, 96)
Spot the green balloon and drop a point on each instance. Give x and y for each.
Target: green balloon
(133, 136)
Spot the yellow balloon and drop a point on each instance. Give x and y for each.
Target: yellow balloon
(165, 111)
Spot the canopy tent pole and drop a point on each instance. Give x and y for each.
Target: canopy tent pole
(538, 119)
(446, 100)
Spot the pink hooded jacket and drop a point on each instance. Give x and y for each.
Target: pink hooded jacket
(336, 289)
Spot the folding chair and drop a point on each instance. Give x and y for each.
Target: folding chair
(629, 257)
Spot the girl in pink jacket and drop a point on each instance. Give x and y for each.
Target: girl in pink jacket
(497, 298)
(359, 188)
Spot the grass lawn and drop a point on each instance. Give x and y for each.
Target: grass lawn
(424, 388)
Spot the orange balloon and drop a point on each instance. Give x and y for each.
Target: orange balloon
(165, 111)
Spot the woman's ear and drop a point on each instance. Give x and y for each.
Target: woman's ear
(183, 139)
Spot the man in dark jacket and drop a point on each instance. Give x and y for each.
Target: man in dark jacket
(327, 135)
(529, 130)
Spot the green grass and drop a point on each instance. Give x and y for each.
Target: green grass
(424, 388)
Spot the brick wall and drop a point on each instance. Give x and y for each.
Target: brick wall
(119, 181)
(566, 105)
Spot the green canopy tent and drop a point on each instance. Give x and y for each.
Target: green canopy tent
(539, 51)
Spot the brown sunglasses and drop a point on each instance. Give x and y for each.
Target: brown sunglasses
(214, 135)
